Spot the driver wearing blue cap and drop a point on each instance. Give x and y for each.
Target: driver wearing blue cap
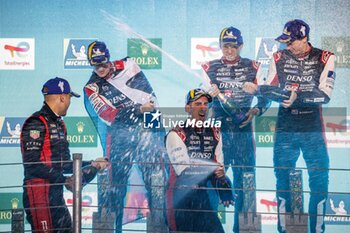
(227, 75)
(47, 160)
(308, 73)
(116, 97)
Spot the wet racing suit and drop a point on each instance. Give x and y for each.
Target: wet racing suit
(114, 106)
(238, 143)
(187, 183)
(300, 127)
(46, 158)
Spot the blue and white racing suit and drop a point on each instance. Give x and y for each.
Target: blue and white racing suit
(300, 128)
(114, 106)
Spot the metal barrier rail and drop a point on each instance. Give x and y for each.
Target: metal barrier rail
(77, 161)
(165, 163)
(77, 190)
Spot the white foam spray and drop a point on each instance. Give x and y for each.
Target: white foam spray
(125, 28)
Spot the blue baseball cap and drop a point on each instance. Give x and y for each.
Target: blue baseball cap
(195, 94)
(294, 30)
(98, 53)
(231, 35)
(57, 86)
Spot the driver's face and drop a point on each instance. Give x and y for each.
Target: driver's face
(102, 70)
(198, 109)
(230, 51)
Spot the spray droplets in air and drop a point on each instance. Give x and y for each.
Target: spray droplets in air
(125, 28)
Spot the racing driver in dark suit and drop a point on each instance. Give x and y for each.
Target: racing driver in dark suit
(307, 75)
(227, 76)
(46, 158)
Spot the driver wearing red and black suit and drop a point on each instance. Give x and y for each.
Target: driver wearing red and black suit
(46, 158)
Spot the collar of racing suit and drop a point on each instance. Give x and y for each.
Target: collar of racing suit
(303, 55)
(225, 61)
(47, 110)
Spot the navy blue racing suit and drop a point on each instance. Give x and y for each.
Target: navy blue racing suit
(114, 104)
(300, 128)
(238, 143)
(193, 154)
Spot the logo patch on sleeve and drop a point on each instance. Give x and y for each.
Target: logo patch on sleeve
(35, 134)
(331, 74)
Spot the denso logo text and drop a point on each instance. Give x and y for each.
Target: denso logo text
(297, 78)
(200, 155)
(230, 85)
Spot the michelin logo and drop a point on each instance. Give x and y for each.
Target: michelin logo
(265, 47)
(10, 131)
(336, 211)
(151, 120)
(75, 53)
(16, 132)
(340, 210)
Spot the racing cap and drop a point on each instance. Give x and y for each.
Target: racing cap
(195, 94)
(57, 86)
(231, 35)
(294, 30)
(98, 53)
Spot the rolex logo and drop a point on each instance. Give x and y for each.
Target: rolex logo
(80, 126)
(144, 49)
(14, 202)
(145, 53)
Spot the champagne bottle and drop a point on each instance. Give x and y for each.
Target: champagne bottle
(273, 93)
(232, 108)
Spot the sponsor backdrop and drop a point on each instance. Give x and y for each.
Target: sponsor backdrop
(40, 40)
